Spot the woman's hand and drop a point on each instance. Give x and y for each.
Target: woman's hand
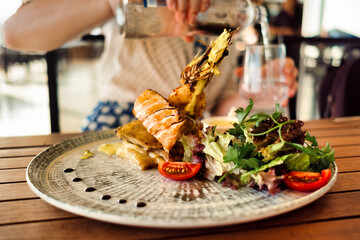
(290, 72)
(186, 11)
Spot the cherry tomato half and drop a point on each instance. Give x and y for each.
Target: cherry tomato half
(178, 170)
(307, 181)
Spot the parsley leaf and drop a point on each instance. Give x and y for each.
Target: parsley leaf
(242, 114)
(242, 156)
(238, 130)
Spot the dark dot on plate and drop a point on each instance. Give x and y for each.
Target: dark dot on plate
(77, 179)
(90, 189)
(68, 170)
(105, 197)
(122, 201)
(141, 204)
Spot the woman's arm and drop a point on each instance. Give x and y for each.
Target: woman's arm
(44, 25)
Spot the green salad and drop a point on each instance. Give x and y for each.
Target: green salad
(261, 151)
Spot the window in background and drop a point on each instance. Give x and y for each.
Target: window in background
(341, 16)
(78, 84)
(324, 19)
(24, 94)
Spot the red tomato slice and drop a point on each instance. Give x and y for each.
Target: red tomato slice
(178, 170)
(307, 181)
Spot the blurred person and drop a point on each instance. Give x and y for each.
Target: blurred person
(288, 21)
(127, 66)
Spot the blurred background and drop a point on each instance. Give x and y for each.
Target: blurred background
(52, 92)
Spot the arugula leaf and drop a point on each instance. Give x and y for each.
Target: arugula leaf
(250, 163)
(311, 139)
(322, 159)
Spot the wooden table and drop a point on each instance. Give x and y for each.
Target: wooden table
(334, 216)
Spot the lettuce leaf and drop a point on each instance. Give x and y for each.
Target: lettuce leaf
(298, 162)
(186, 141)
(216, 144)
(270, 152)
(320, 158)
(192, 149)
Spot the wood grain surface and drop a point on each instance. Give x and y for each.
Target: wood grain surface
(336, 215)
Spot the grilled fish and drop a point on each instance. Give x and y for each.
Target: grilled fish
(160, 119)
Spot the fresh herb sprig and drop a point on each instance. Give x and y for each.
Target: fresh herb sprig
(243, 156)
(238, 130)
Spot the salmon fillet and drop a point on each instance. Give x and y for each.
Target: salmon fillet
(160, 119)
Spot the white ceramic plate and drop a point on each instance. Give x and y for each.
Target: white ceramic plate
(111, 189)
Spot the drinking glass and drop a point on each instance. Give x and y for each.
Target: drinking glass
(263, 79)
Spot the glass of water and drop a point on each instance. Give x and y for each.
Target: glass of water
(263, 79)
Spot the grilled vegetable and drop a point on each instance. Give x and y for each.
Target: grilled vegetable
(190, 97)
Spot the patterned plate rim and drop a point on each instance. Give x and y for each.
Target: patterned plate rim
(118, 219)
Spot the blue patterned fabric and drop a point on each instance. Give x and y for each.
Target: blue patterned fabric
(109, 115)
